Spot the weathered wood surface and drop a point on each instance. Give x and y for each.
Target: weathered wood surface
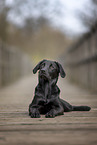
(74, 128)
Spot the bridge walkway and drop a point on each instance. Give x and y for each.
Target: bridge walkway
(73, 128)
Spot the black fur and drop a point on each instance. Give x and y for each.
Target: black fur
(46, 100)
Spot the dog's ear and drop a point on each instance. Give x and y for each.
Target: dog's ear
(61, 70)
(37, 67)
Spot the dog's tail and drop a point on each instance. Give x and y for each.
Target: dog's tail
(81, 108)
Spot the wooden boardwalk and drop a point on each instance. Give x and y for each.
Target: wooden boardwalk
(74, 128)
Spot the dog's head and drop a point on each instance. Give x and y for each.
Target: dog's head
(49, 69)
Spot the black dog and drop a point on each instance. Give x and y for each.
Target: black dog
(46, 100)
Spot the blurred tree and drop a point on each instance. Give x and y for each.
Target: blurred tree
(3, 21)
(89, 16)
(34, 35)
(32, 25)
(95, 1)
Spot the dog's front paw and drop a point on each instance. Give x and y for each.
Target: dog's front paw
(50, 114)
(34, 113)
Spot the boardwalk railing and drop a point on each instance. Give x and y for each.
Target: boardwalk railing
(13, 64)
(81, 60)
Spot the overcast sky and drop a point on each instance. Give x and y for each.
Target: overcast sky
(62, 13)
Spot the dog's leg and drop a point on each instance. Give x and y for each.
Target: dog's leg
(57, 109)
(34, 112)
(54, 112)
(67, 107)
(34, 108)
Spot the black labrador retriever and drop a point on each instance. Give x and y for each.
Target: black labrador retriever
(46, 100)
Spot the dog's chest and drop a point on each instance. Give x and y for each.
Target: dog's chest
(46, 91)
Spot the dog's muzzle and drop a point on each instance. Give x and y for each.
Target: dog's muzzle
(43, 75)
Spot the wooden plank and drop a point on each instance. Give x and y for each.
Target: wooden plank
(68, 137)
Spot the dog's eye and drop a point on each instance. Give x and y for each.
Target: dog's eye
(51, 66)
